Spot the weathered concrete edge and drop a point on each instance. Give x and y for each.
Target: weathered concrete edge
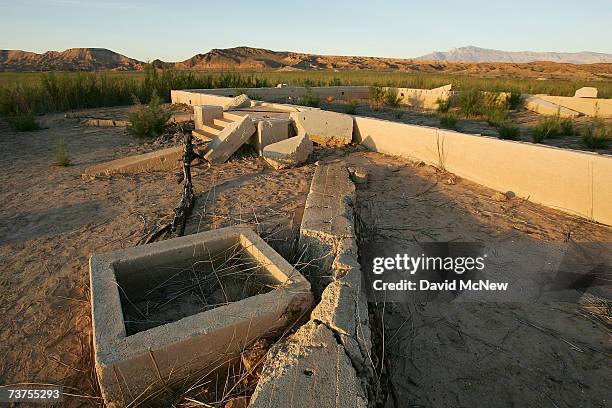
(342, 311)
(159, 160)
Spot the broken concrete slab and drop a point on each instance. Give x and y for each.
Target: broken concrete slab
(309, 369)
(160, 160)
(240, 101)
(324, 128)
(289, 152)
(269, 131)
(130, 367)
(205, 114)
(586, 92)
(229, 140)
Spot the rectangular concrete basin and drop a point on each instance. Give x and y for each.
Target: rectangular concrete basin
(168, 311)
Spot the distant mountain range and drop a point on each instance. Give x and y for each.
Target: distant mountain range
(480, 62)
(475, 54)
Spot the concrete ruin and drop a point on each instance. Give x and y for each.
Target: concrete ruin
(289, 152)
(586, 92)
(230, 139)
(160, 160)
(323, 127)
(130, 366)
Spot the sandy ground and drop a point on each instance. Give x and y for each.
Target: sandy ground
(51, 221)
(485, 355)
(479, 354)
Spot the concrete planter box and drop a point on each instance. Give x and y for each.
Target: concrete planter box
(130, 367)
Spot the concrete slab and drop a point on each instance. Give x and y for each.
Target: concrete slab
(269, 131)
(229, 140)
(240, 101)
(131, 366)
(160, 160)
(309, 370)
(289, 152)
(586, 92)
(325, 128)
(205, 114)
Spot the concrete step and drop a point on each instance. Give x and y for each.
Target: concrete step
(215, 130)
(222, 122)
(202, 135)
(232, 117)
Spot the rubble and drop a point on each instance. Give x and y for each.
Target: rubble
(289, 152)
(230, 139)
(269, 131)
(240, 101)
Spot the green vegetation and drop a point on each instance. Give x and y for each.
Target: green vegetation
(550, 127)
(515, 99)
(351, 107)
(22, 121)
(443, 105)
(392, 99)
(508, 131)
(448, 121)
(596, 135)
(471, 103)
(377, 96)
(148, 121)
(62, 157)
(310, 99)
(55, 92)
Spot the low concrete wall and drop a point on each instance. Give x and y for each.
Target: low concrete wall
(422, 98)
(159, 160)
(571, 181)
(587, 106)
(538, 105)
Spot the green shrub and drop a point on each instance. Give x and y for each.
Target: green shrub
(23, 122)
(597, 135)
(398, 113)
(471, 102)
(448, 121)
(549, 127)
(567, 127)
(496, 115)
(351, 107)
(508, 131)
(148, 121)
(514, 100)
(62, 157)
(392, 99)
(377, 95)
(443, 105)
(310, 99)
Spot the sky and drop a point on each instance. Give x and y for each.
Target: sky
(177, 30)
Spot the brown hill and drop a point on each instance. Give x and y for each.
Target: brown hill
(73, 59)
(249, 59)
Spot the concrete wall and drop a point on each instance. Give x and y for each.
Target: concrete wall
(571, 181)
(587, 106)
(422, 98)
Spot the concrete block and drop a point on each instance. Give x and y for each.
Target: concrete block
(131, 366)
(445, 88)
(269, 131)
(325, 128)
(586, 92)
(205, 114)
(160, 160)
(289, 152)
(229, 140)
(240, 101)
(309, 369)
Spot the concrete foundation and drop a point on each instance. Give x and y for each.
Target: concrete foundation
(205, 114)
(571, 181)
(229, 140)
(131, 367)
(289, 152)
(160, 160)
(323, 127)
(326, 362)
(269, 131)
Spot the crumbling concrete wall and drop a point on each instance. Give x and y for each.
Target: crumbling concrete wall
(571, 181)
(326, 363)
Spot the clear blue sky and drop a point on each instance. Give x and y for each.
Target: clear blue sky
(176, 30)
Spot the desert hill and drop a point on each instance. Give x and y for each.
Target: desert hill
(254, 59)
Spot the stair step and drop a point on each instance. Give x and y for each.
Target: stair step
(202, 135)
(222, 122)
(231, 116)
(211, 129)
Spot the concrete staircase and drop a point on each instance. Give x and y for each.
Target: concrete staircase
(207, 132)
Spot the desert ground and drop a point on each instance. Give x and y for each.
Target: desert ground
(52, 220)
